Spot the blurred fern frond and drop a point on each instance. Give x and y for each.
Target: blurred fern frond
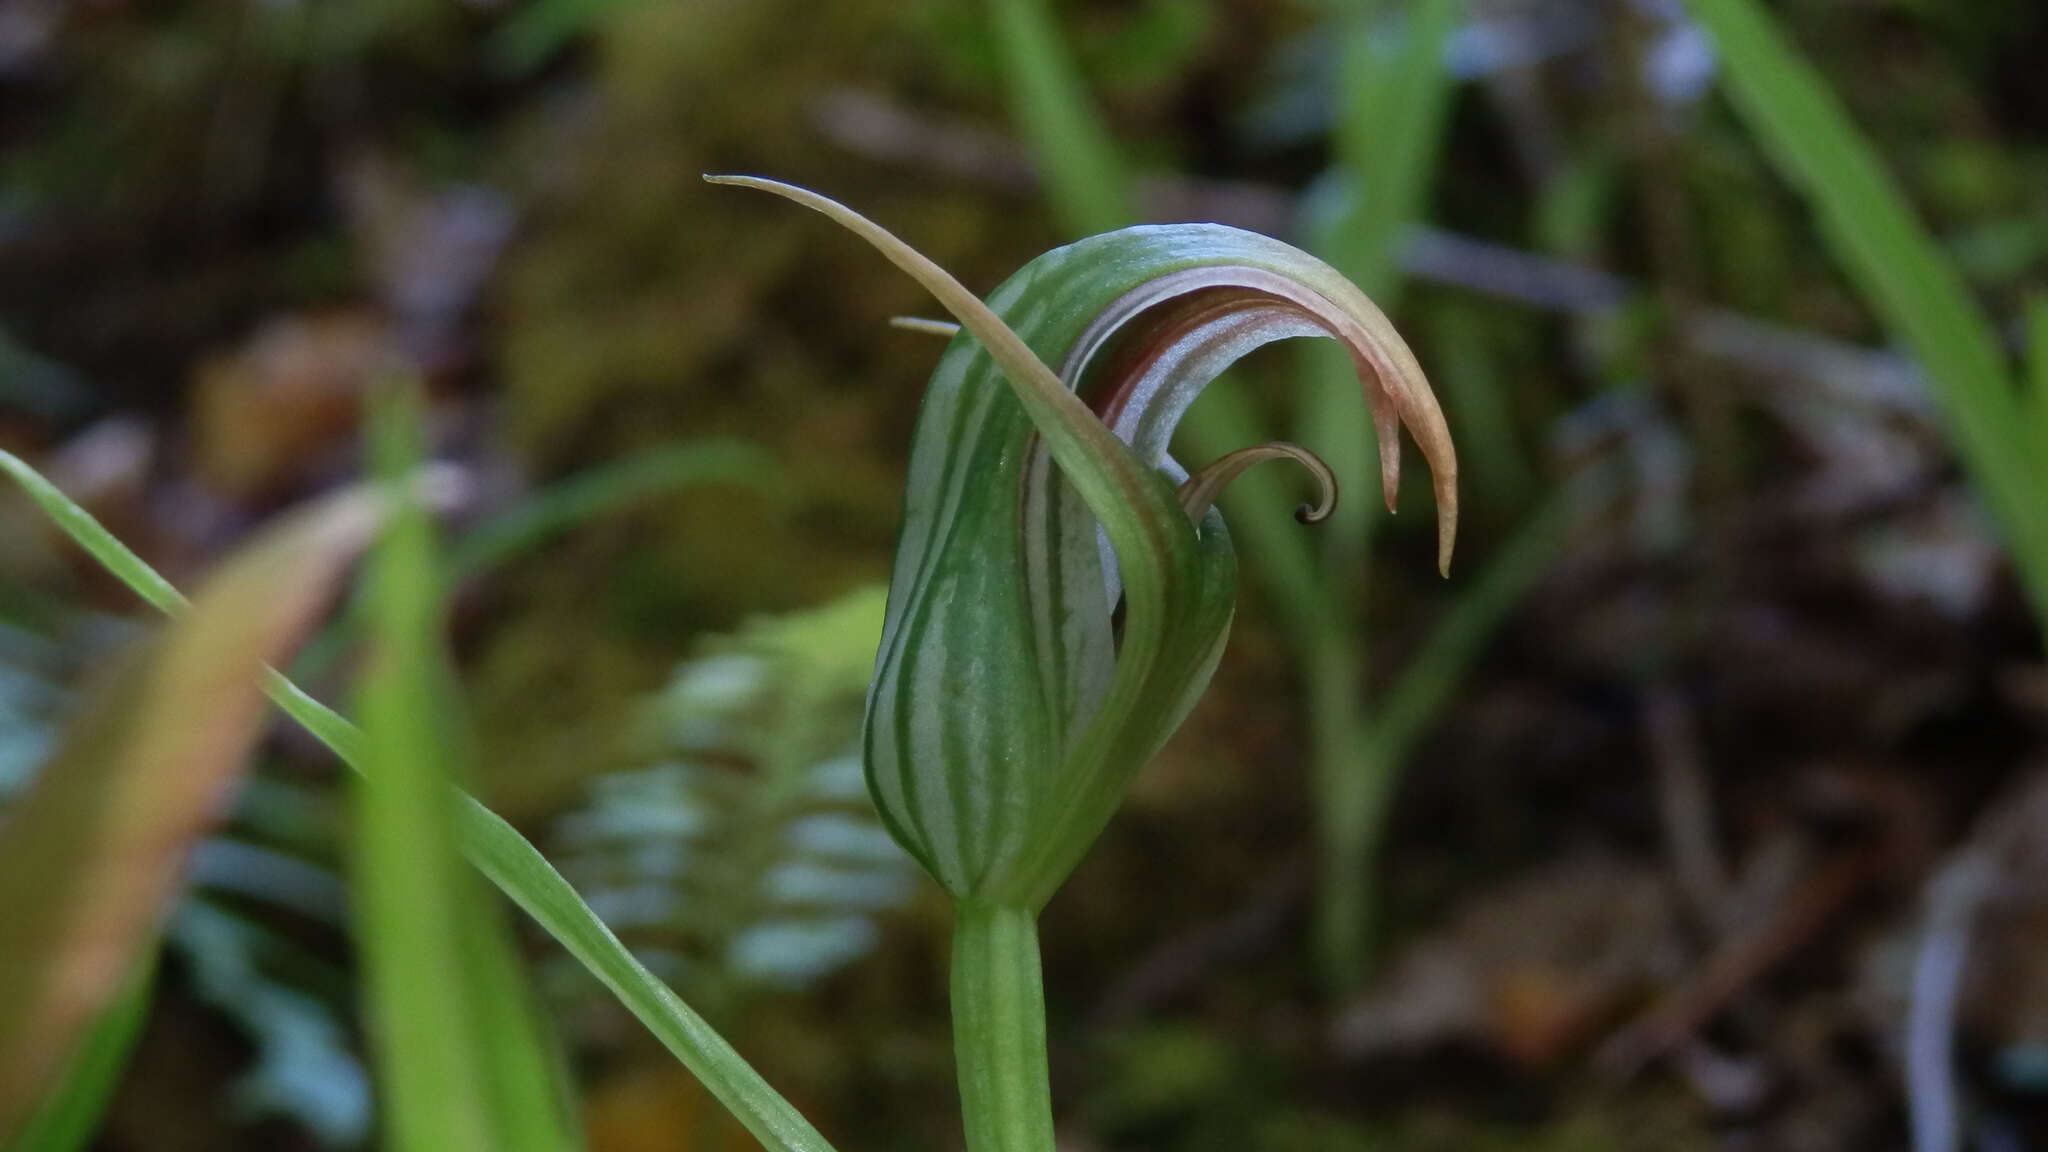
(746, 856)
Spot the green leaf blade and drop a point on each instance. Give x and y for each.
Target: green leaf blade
(461, 1061)
(2036, 400)
(1084, 175)
(1917, 292)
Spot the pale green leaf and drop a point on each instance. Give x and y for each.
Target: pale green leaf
(461, 1062)
(106, 825)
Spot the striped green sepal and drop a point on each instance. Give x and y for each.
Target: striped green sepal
(1055, 609)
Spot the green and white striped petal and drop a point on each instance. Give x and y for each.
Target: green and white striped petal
(1009, 709)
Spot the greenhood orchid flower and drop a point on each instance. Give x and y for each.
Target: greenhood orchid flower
(1062, 588)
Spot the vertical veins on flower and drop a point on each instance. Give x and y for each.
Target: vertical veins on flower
(1007, 715)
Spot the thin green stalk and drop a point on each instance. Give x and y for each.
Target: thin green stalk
(505, 857)
(1341, 768)
(999, 1030)
(1395, 102)
(1418, 695)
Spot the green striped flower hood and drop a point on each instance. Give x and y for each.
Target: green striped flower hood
(1062, 588)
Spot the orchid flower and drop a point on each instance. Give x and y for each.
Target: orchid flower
(1009, 710)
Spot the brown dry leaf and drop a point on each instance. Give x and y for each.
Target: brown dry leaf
(267, 413)
(92, 853)
(1531, 970)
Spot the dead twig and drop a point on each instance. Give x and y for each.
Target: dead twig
(1736, 965)
(1685, 807)
(1952, 902)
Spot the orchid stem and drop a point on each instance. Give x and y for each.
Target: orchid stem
(999, 1030)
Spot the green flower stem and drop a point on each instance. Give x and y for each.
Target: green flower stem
(1349, 781)
(999, 1030)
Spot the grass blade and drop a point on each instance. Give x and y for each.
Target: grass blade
(1411, 706)
(505, 857)
(562, 506)
(461, 1061)
(1395, 99)
(90, 535)
(2036, 400)
(1889, 256)
(519, 870)
(1469, 365)
(1084, 175)
(1390, 127)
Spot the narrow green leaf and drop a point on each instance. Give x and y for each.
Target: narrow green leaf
(106, 825)
(507, 859)
(2036, 401)
(1426, 682)
(1395, 97)
(1915, 290)
(1089, 189)
(1417, 699)
(563, 506)
(586, 495)
(1469, 365)
(88, 534)
(460, 1061)
(512, 863)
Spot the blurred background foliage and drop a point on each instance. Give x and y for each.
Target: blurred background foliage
(1665, 869)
